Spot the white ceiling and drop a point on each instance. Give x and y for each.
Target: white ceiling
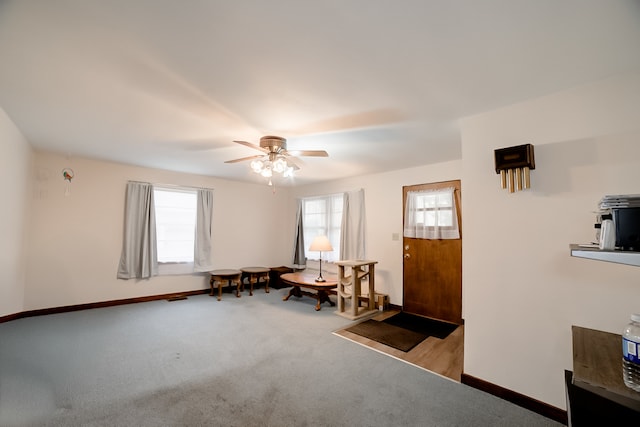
(379, 84)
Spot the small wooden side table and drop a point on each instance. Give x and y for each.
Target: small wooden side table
(354, 281)
(255, 274)
(220, 277)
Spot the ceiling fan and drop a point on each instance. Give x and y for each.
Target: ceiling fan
(275, 157)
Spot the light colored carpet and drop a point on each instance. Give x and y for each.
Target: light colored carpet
(250, 361)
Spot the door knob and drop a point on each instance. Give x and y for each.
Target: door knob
(407, 256)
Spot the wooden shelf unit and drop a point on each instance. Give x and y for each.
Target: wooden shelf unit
(350, 287)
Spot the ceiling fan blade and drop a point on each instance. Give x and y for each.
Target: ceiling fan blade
(294, 162)
(258, 156)
(250, 145)
(309, 153)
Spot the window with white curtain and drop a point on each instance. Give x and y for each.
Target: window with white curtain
(322, 215)
(431, 214)
(175, 224)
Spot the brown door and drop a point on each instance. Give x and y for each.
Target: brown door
(432, 271)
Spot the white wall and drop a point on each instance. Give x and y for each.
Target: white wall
(15, 184)
(383, 205)
(76, 240)
(522, 290)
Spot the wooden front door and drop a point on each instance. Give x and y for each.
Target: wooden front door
(432, 269)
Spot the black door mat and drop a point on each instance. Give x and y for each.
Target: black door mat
(384, 333)
(422, 325)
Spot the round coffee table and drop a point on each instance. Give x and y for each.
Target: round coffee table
(307, 280)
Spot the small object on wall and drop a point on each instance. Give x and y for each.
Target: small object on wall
(513, 164)
(67, 174)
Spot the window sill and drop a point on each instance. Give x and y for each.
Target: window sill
(175, 268)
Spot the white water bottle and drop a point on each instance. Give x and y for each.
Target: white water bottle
(630, 356)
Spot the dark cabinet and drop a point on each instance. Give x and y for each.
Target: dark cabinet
(274, 276)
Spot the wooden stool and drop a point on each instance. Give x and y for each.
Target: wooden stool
(255, 274)
(220, 277)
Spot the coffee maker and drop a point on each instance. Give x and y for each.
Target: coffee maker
(622, 212)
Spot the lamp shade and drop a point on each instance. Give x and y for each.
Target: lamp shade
(321, 244)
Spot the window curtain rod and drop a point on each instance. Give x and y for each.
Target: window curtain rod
(333, 193)
(172, 185)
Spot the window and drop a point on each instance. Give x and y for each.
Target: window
(431, 214)
(175, 224)
(322, 215)
(166, 231)
(433, 209)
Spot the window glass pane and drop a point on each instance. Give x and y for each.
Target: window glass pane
(322, 216)
(430, 201)
(445, 219)
(175, 224)
(444, 200)
(314, 221)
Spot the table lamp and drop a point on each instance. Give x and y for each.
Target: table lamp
(321, 244)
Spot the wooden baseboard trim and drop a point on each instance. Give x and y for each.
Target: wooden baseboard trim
(521, 400)
(102, 304)
(68, 308)
(10, 317)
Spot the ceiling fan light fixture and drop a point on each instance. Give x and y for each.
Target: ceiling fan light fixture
(280, 165)
(257, 166)
(266, 172)
(266, 167)
(275, 157)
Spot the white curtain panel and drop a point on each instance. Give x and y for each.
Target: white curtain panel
(139, 258)
(352, 233)
(431, 214)
(203, 242)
